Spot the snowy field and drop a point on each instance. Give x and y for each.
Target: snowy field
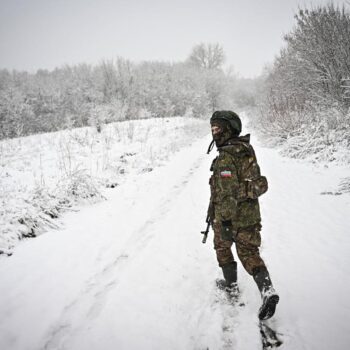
(42, 176)
(130, 272)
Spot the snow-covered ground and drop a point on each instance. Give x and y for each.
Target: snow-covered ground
(131, 272)
(43, 175)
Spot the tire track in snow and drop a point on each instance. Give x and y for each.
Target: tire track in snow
(91, 300)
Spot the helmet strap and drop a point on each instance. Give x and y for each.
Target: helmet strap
(210, 146)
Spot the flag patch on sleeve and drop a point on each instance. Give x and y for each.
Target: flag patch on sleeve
(226, 173)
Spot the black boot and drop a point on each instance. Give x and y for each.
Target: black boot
(230, 273)
(268, 293)
(230, 283)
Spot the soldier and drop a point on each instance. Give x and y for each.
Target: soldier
(236, 184)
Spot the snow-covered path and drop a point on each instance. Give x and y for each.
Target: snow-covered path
(132, 273)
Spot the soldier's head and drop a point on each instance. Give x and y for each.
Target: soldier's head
(224, 126)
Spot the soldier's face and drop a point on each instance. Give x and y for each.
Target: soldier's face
(220, 133)
(215, 130)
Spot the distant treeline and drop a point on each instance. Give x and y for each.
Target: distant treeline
(75, 96)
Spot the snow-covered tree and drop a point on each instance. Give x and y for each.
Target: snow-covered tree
(311, 72)
(208, 56)
(75, 96)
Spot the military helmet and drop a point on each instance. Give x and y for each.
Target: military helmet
(231, 117)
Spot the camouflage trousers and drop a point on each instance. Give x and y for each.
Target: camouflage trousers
(247, 243)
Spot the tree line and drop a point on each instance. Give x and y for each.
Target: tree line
(114, 90)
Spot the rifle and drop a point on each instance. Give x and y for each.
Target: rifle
(205, 233)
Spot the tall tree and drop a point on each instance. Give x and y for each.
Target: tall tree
(208, 56)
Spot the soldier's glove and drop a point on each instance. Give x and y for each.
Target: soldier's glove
(227, 231)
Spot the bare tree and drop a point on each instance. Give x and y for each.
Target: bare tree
(208, 56)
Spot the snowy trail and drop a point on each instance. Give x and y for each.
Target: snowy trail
(132, 273)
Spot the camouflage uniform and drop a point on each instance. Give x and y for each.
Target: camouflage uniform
(234, 210)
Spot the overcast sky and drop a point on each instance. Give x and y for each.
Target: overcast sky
(50, 33)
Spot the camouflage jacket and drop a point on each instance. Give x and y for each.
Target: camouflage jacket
(236, 184)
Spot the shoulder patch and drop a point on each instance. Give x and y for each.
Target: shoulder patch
(225, 173)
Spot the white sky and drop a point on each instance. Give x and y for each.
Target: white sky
(49, 33)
